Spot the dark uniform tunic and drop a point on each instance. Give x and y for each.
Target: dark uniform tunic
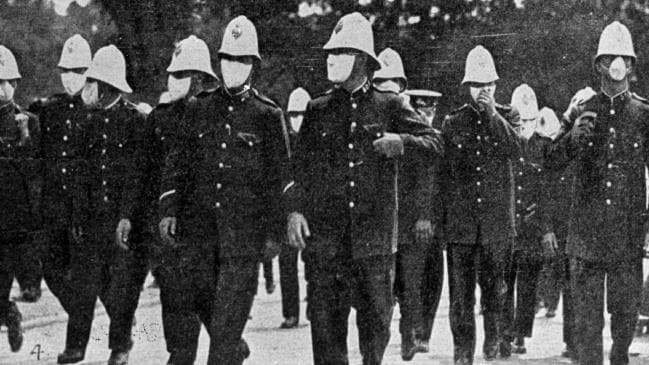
(478, 224)
(186, 274)
(532, 223)
(20, 190)
(223, 182)
(60, 150)
(109, 188)
(608, 216)
(347, 192)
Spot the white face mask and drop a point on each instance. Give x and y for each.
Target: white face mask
(178, 88)
(235, 73)
(527, 128)
(296, 121)
(339, 67)
(475, 91)
(617, 70)
(90, 93)
(72, 82)
(388, 85)
(7, 91)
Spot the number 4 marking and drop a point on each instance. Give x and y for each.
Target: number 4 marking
(36, 351)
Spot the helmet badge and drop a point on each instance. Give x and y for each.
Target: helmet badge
(236, 31)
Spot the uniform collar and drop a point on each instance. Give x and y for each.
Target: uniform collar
(113, 103)
(616, 102)
(7, 108)
(623, 95)
(359, 91)
(242, 95)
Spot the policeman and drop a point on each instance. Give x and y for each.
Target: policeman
(186, 272)
(222, 185)
(20, 188)
(108, 260)
(477, 218)
(535, 239)
(61, 121)
(606, 138)
(391, 76)
(432, 256)
(345, 191)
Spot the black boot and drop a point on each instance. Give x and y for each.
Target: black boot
(519, 346)
(71, 356)
(13, 320)
(118, 358)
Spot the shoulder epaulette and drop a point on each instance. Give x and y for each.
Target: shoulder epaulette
(504, 108)
(205, 93)
(460, 109)
(263, 98)
(639, 98)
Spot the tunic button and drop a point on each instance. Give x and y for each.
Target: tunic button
(590, 144)
(221, 165)
(250, 143)
(518, 215)
(64, 170)
(352, 184)
(610, 166)
(351, 164)
(496, 144)
(478, 168)
(64, 154)
(612, 130)
(104, 136)
(479, 138)
(562, 178)
(518, 201)
(354, 105)
(71, 106)
(224, 145)
(67, 122)
(610, 146)
(105, 198)
(608, 184)
(519, 188)
(459, 145)
(520, 173)
(635, 145)
(608, 201)
(353, 125)
(479, 200)
(103, 152)
(64, 187)
(106, 120)
(103, 167)
(477, 153)
(478, 183)
(219, 186)
(351, 204)
(230, 108)
(120, 145)
(217, 205)
(479, 122)
(351, 146)
(65, 138)
(103, 183)
(521, 159)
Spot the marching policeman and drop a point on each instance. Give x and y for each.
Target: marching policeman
(222, 186)
(186, 273)
(108, 260)
(61, 117)
(431, 259)
(606, 137)
(535, 239)
(477, 218)
(415, 226)
(19, 189)
(344, 201)
(288, 258)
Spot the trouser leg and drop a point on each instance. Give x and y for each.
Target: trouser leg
(526, 285)
(28, 268)
(6, 277)
(56, 266)
(491, 270)
(568, 303)
(509, 302)
(589, 307)
(288, 282)
(235, 292)
(623, 286)
(462, 281)
(374, 303)
(411, 260)
(432, 285)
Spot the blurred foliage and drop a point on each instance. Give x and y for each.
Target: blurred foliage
(548, 44)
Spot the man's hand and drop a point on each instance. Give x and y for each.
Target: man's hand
(22, 122)
(487, 102)
(167, 228)
(582, 130)
(297, 230)
(77, 234)
(423, 231)
(122, 232)
(645, 249)
(550, 245)
(580, 97)
(390, 145)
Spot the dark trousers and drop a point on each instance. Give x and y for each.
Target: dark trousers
(268, 270)
(288, 281)
(235, 291)
(56, 266)
(187, 278)
(520, 302)
(9, 243)
(337, 285)
(28, 270)
(621, 282)
(99, 269)
(418, 286)
(466, 265)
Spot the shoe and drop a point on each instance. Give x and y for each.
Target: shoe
(491, 352)
(13, 320)
(290, 322)
(641, 327)
(423, 345)
(243, 348)
(71, 356)
(270, 287)
(410, 346)
(463, 360)
(569, 353)
(181, 358)
(118, 358)
(505, 349)
(519, 346)
(550, 313)
(30, 295)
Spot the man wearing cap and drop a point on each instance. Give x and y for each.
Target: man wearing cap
(19, 189)
(288, 258)
(429, 262)
(222, 186)
(61, 117)
(476, 188)
(344, 200)
(108, 259)
(605, 136)
(535, 239)
(186, 272)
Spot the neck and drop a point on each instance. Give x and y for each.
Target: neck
(238, 90)
(614, 88)
(354, 82)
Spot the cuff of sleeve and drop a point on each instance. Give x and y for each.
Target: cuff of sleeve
(168, 206)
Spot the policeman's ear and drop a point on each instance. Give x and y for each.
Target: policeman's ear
(361, 64)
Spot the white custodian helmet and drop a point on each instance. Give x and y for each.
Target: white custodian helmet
(76, 53)
(109, 66)
(192, 54)
(392, 67)
(354, 31)
(298, 101)
(240, 39)
(8, 65)
(480, 67)
(615, 41)
(524, 100)
(548, 125)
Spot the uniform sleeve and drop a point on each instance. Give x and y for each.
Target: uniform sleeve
(502, 129)
(414, 131)
(302, 154)
(135, 162)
